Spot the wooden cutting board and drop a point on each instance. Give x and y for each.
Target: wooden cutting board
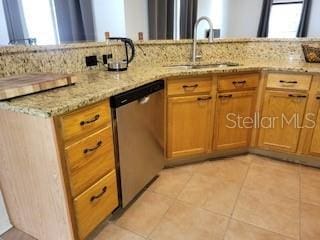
(16, 86)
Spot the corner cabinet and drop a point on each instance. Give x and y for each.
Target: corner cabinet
(58, 174)
(281, 120)
(189, 107)
(283, 111)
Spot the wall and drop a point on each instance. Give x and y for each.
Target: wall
(4, 220)
(314, 28)
(136, 18)
(109, 17)
(242, 18)
(4, 39)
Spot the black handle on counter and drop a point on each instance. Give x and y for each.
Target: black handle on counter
(204, 98)
(87, 150)
(288, 82)
(297, 96)
(96, 117)
(104, 190)
(190, 86)
(239, 82)
(225, 96)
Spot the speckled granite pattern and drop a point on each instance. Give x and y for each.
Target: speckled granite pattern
(70, 58)
(99, 85)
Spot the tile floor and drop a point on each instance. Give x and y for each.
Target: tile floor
(240, 198)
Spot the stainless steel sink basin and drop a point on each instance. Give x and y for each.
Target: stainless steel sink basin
(203, 66)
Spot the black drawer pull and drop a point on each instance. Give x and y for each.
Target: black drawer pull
(104, 190)
(204, 98)
(190, 86)
(318, 97)
(288, 82)
(297, 96)
(225, 96)
(239, 82)
(87, 150)
(96, 117)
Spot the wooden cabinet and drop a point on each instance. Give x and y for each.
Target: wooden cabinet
(314, 146)
(282, 117)
(296, 82)
(188, 125)
(234, 111)
(88, 154)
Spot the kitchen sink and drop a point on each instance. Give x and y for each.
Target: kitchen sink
(203, 66)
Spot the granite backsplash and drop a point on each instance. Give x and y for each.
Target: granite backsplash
(70, 58)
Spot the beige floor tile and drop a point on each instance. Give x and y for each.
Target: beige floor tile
(186, 222)
(113, 232)
(274, 213)
(276, 164)
(144, 215)
(15, 234)
(310, 222)
(211, 193)
(242, 231)
(310, 185)
(273, 181)
(171, 181)
(228, 169)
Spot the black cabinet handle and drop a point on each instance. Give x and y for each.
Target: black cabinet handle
(288, 82)
(239, 82)
(204, 98)
(318, 97)
(104, 190)
(297, 96)
(87, 150)
(225, 96)
(190, 86)
(96, 117)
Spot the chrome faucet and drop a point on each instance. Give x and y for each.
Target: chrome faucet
(194, 49)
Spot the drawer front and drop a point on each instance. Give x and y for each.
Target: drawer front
(85, 121)
(238, 82)
(189, 86)
(90, 159)
(95, 204)
(289, 81)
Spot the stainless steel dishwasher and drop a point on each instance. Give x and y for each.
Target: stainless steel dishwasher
(138, 123)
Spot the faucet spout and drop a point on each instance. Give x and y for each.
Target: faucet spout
(194, 49)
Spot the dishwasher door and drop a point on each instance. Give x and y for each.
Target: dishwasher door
(140, 140)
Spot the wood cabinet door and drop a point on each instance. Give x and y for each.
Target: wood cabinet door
(315, 142)
(188, 125)
(234, 112)
(282, 117)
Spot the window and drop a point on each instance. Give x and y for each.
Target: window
(284, 18)
(40, 21)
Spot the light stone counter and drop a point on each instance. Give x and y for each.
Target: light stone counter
(99, 85)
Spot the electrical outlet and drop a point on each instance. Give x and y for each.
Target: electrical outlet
(105, 58)
(91, 61)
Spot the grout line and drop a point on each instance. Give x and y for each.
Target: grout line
(264, 229)
(237, 198)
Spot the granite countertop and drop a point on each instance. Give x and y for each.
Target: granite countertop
(100, 85)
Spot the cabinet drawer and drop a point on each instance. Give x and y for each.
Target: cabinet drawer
(289, 81)
(189, 86)
(90, 159)
(238, 82)
(95, 204)
(85, 121)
